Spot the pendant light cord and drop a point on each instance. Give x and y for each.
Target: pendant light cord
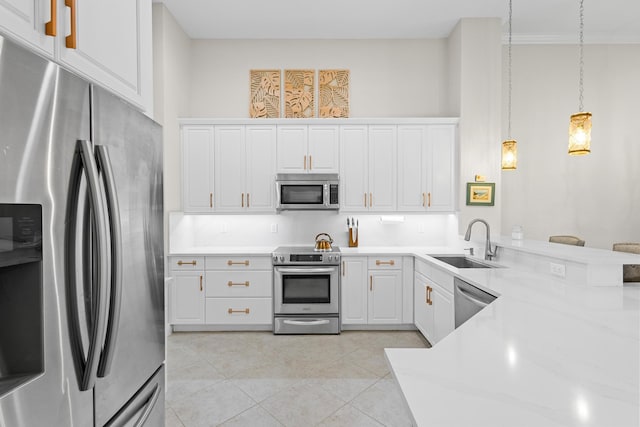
(581, 50)
(509, 67)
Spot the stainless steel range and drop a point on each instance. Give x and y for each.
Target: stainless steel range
(306, 290)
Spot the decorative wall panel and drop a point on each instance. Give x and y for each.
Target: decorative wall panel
(264, 100)
(299, 92)
(333, 93)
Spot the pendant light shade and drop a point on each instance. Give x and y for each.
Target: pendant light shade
(509, 154)
(580, 134)
(509, 146)
(580, 123)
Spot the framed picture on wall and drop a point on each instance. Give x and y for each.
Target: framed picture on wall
(481, 193)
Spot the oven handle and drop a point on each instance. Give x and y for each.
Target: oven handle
(306, 270)
(306, 322)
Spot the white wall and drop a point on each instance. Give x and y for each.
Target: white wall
(596, 197)
(171, 95)
(388, 78)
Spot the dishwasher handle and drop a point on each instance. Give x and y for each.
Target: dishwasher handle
(472, 297)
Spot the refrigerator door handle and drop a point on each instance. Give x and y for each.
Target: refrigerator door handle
(113, 209)
(83, 159)
(149, 407)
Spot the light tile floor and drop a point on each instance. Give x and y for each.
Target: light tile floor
(260, 379)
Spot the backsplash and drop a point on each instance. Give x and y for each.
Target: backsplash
(300, 228)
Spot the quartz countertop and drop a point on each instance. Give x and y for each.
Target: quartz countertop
(543, 353)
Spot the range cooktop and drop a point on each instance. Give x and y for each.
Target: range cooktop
(305, 255)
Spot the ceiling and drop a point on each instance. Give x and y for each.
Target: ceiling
(534, 21)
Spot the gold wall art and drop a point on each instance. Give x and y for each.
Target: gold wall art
(264, 100)
(299, 91)
(333, 88)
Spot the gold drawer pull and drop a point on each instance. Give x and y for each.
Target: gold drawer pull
(187, 262)
(245, 262)
(392, 262)
(230, 284)
(231, 311)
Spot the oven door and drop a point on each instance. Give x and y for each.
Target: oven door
(306, 290)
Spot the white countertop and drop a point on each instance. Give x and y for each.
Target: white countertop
(545, 353)
(215, 250)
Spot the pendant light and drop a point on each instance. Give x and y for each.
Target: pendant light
(509, 146)
(580, 123)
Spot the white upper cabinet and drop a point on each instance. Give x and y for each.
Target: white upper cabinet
(107, 42)
(26, 20)
(368, 168)
(197, 168)
(307, 149)
(426, 168)
(229, 193)
(260, 167)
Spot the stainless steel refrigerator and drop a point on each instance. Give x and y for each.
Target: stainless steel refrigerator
(81, 252)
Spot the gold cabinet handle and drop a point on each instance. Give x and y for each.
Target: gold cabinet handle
(230, 284)
(429, 300)
(426, 295)
(371, 283)
(210, 200)
(50, 27)
(245, 262)
(310, 164)
(429, 198)
(391, 262)
(365, 200)
(242, 200)
(187, 262)
(305, 162)
(248, 200)
(344, 269)
(70, 40)
(424, 200)
(201, 283)
(231, 311)
(370, 199)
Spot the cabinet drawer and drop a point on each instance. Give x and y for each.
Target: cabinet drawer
(239, 262)
(251, 311)
(385, 263)
(239, 283)
(440, 277)
(186, 263)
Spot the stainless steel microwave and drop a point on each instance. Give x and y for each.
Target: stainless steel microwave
(307, 191)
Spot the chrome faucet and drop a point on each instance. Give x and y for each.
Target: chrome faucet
(488, 252)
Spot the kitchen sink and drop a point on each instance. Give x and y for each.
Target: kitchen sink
(462, 261)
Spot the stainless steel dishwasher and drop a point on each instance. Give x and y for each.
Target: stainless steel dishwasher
(468, 300)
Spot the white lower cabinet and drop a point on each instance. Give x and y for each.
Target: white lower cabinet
(221, 290)
(433, 302)
(372, 290)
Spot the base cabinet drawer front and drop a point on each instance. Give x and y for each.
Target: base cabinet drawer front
(238, 311)
(239, 284)
(186, 263)
(385, 263)
(238, 262)
(442, 278)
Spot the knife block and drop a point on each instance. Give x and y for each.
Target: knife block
(353, 239)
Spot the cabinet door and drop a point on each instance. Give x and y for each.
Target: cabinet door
(354, 187)
(423, 314)
(441, 168)
(197, 171)
(292, 149)
(25, 20)
(412, 142)
(443, 314)
(385, 297)
(382, 168)
(113, 45)
(323, 149)
(260, 167)
(187, 298)
(354, 290)
(229, 194)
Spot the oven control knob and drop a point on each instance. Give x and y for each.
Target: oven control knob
(281, 258)
(275, 259)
